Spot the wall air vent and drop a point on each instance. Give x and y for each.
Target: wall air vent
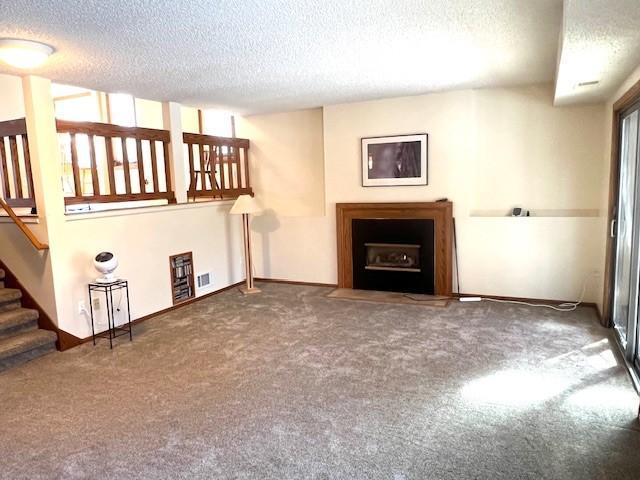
(203, 280)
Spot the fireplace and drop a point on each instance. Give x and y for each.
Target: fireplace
(393, 255)
(404, 247)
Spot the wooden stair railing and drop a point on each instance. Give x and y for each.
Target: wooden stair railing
(23, 227)
(218, 166)
(111, 168)
(16, 181)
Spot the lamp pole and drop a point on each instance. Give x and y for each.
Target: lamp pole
(247, 253)
(245, 205)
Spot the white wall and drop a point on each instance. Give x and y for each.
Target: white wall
(143, 240)
(11, 99)
(287, 174)
(30, 266)
(294, 187)
(148, 113)
(489, 150)
(190, 120)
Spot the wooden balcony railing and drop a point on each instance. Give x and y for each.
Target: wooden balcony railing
(218, 166)
(16, 181)
(110, 163)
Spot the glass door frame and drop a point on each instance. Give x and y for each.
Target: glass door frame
(629, 344)
(622, 107)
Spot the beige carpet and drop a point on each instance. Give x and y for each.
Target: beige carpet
(390, 297)
(289, 384)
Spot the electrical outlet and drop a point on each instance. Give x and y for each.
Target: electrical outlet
(96, 303)
(82, 307)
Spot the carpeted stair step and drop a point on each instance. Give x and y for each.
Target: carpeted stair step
(17, 320)
(25, 346)
(9, 299)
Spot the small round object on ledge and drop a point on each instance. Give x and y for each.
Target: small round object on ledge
(106, 263)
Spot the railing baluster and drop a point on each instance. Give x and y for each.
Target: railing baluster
(212, 168)
(213, 155)
(77, 185)
(192, 186)
(125, 166)
(94, 165)
(230, 162)
(223, 183)
(167, 166)
(143, 186)
(27, 165)
(154, 166)
(246, 182)
(203, 184)
(5, 172)
(17, 176)
(236, 161)
(111, 166)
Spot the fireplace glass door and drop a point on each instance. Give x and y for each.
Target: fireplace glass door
(394, 255)
(398, 257)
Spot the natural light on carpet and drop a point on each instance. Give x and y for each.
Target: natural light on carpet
(518, 388)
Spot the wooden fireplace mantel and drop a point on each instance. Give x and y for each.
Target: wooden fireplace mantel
(440, 212)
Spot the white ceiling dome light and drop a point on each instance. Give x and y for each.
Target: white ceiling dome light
(24, 53)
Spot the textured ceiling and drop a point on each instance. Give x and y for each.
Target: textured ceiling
(271, 55)
(600, 41)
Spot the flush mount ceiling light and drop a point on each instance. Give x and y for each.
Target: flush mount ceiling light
(24, 53)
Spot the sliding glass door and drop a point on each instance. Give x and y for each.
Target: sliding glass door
(626, 229)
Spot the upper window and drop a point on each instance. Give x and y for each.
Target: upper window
(122, 109)
(217, 122)
(76, 104)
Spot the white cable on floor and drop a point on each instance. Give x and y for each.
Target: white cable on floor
(563, 307)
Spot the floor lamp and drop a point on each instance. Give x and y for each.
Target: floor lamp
(246, 205)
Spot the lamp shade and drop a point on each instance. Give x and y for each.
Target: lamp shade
(245, 204)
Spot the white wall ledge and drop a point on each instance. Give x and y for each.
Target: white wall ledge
(73, 217)
(540, 213)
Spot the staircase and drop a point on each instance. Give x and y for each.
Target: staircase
(20, 338)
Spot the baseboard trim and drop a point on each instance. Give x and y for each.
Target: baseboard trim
(529, 300)
(73, 341)
(294, 282)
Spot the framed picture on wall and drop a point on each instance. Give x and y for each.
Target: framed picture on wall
(396, 160)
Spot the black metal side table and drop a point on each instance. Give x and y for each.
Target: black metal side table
(112, 331)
